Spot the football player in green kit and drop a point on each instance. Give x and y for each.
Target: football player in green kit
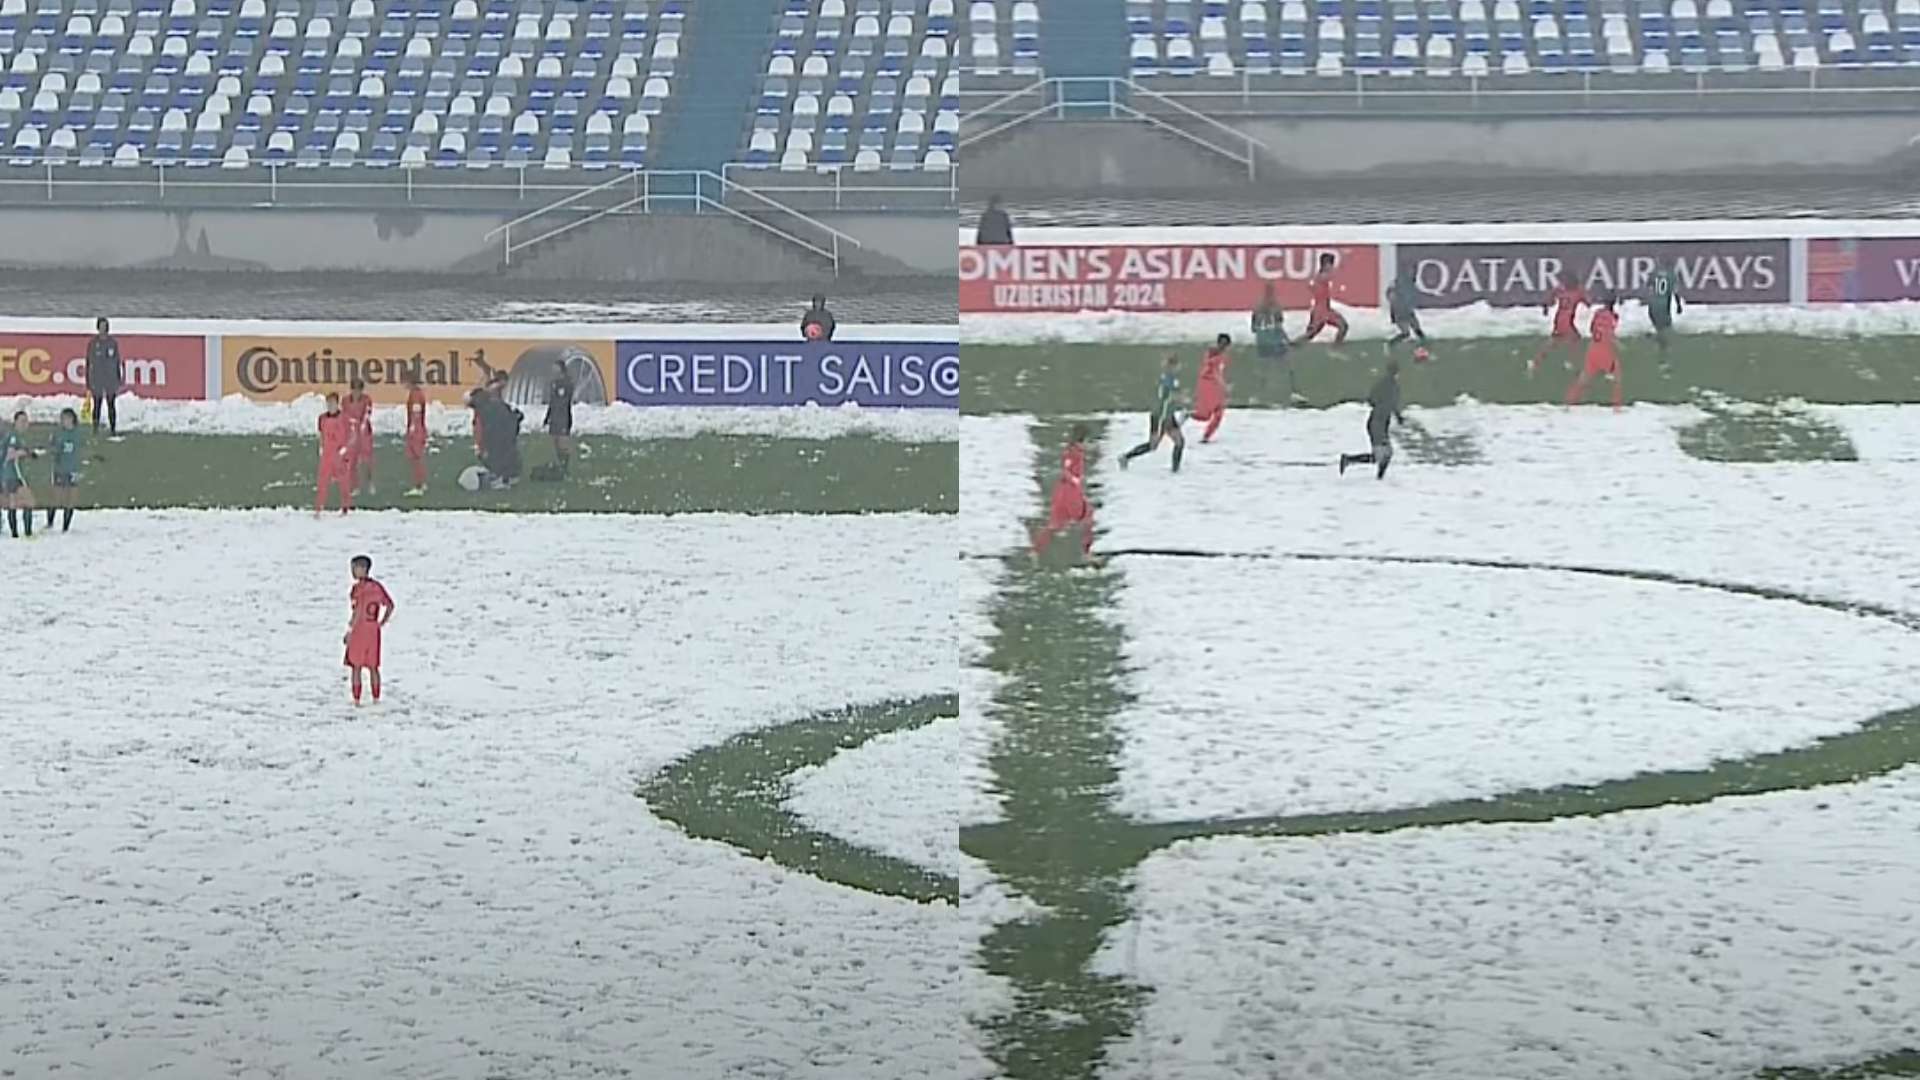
(1165, 422)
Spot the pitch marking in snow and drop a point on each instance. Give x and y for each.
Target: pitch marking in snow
(735, 793)
(1083, 1004)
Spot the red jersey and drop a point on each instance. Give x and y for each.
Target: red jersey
(416, 412)
(358, 409)
(335, 431)
(369, 599)
(1604, 328)
(1566, 302)
(1320, 286)
(1073, 463)
(1213, 366)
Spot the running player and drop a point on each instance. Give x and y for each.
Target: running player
(1402, 298)
(336, 466)
(14, 489)
(1165, 421)
(65, 448)
(1069, 505)
(372, 607)
(416, 438)
(1210, 391)
(1384, 406)
(1663, 301)
(1603, 354)
(1321, 315)
(1564, 302)
(358, 409)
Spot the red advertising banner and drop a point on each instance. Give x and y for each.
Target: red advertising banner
(43, 365)
(1158, 277)
(1870, 269)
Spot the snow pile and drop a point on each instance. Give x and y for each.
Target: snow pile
(894, 795)
(1475, 321)
(237, 415)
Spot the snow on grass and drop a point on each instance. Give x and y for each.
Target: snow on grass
(236, 415)
(1601, 489)
(997, 490)
(1289, 688)
(1881, 434)
(895, 795)
(1669, 944)
(1475, 321)
(219, 867)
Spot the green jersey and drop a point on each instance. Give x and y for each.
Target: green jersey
(1663, 296)
(65, 447)
(1269, 329)
(1168, 399)
(13, 455)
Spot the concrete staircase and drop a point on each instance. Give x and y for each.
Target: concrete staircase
(722, 57)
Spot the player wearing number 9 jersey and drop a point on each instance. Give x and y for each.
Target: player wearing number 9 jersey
(372, 607)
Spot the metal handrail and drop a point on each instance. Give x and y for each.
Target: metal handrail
(949, 179)
(699, 198)
(726, 185)
(1198, 115)
(623, 178)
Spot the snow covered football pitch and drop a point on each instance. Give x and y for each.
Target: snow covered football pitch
(1587, 758)
(212, 865)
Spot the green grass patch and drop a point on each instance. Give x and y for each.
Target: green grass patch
(1903, 1064)
(1056, 764)
(1061, 379)
(735, 793)
(1735, 432)
(708, 473)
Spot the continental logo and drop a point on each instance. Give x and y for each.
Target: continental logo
(265, 369)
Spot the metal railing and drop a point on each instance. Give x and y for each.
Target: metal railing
(698, 191)
(271, 185)
(829, 186)
(1116, 98)
(1864, 89)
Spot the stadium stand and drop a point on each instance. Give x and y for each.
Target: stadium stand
(336, 83)
(873, 85)
(1474, 37)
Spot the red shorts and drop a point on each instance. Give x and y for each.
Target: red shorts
(1208, 398)
(416, 444)
(363, 648)
(1320, 320)
(1565, 332)
(1069, 506)
(1602, 362)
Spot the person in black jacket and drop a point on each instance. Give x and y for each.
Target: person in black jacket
(104, 376)
(1383, 408)
(500, 432)
(560, 414)
(817, 324)
(996, 228)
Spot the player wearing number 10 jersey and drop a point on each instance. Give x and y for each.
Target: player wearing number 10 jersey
(372, 607)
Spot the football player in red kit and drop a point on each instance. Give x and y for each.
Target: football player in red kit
(1210, 393)
(1564, 301)
(1603, 354)
(1070, 506)
(416, 439)
(1321, 314)
(358, 409)
(335, 466)
(372, 607)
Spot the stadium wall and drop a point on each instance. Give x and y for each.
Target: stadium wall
(1103, 155)
(647, 365)
(666, 247)
(1787, 263)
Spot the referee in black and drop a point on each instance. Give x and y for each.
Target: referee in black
(560, 414)
(1384, 400)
